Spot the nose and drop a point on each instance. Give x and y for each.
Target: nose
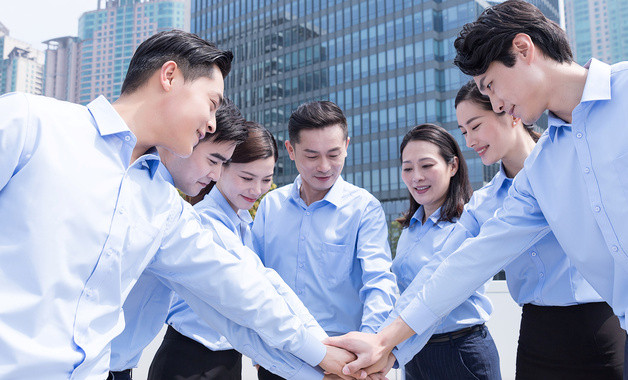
(498, 104)
(469, 140)
(256, 189)
(418, 176)
(214, 173)
(211, 124)
(323, 165)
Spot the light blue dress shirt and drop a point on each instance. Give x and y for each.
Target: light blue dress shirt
(417, 246)
(333, 253)
(575, 182)
(151, 303)
(79, 226)
(542, 275)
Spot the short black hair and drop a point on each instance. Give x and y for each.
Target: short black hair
(489, 38)
(459, 191)
(194, 56)
(316, 115)
(230, 124)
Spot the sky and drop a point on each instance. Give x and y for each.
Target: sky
(34, 21)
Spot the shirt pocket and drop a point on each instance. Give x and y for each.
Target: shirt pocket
(336, 262)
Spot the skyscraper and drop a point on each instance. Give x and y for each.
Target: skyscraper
(107, 38)
(21, 65)
(598, 28)
(386, 63)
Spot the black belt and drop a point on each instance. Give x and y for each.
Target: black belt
(446, 337)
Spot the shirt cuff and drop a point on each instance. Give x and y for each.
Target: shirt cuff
(307, 373)
(418, 316)
(312, 350)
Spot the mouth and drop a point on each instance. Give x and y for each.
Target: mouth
(200, 134)
(511, 112)
(250, 200)
(421, 189)
(323, 179)
(482, 150)
(204, 184)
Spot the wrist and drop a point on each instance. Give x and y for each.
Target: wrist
(393, 334)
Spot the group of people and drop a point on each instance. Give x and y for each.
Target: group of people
(107, 251)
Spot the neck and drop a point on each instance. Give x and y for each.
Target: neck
(429, 210)
(568, 80)
(133, 110)
(513, 161)
(310, 195)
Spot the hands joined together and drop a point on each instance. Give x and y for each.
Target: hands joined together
(357, 355)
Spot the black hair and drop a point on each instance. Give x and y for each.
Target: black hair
(471, 93)
(459, 191)
(194, 56)
(230, 124)
(316, 115)
(490, 37)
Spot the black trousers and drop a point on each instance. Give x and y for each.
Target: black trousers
(264, 374)
(570, 342)
(182, 358)
(120, 375)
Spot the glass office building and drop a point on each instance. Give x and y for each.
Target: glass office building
(386, 63)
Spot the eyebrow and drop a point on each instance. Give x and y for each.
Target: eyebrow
(420, 159)
(470, 120)
(220, 157)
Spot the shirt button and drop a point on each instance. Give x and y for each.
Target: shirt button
(127, 138)
(541, 274)
(533, 253)
(88, 292)
(307, 213)
(587, 170)
(121, 211)
(597, 209)
(299, 291)
(579, 135)
(614, 248)
(301, 265)
(302, 237)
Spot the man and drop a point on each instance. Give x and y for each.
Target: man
(573, 183)
(325, 237)
(71, 253)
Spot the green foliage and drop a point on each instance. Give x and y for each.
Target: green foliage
(394, 231)
(253, 210)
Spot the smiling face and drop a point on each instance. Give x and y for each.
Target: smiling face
(426, 174)
(520, 90)
(319, 157)
(491, 135)
(188, 110)
(242, 184)
(191, 174)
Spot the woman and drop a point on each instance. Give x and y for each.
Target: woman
(567, 332)
(191, 349)
(435, 173)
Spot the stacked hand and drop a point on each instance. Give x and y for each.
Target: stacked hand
(363, 355)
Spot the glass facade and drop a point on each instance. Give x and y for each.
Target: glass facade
(109, 37)
(386, 63)
(598, 28)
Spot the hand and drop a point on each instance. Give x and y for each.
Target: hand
(373, 350)
(383, 372)
(372, 355)
(334, 361)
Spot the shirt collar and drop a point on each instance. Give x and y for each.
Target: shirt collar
(333, 196)
(596, 87)
(161, 169)
(108, 121)
(242, 216)
(418, 217)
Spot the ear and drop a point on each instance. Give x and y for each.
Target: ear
(523, 47)
(347, 143)
(454, 167)
(167, 74)
(290, 149)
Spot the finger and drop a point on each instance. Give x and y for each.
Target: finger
(340, 342)
(354, 368)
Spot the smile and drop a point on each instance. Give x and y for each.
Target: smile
(482, 151)
(421, 189)
(250, 200)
